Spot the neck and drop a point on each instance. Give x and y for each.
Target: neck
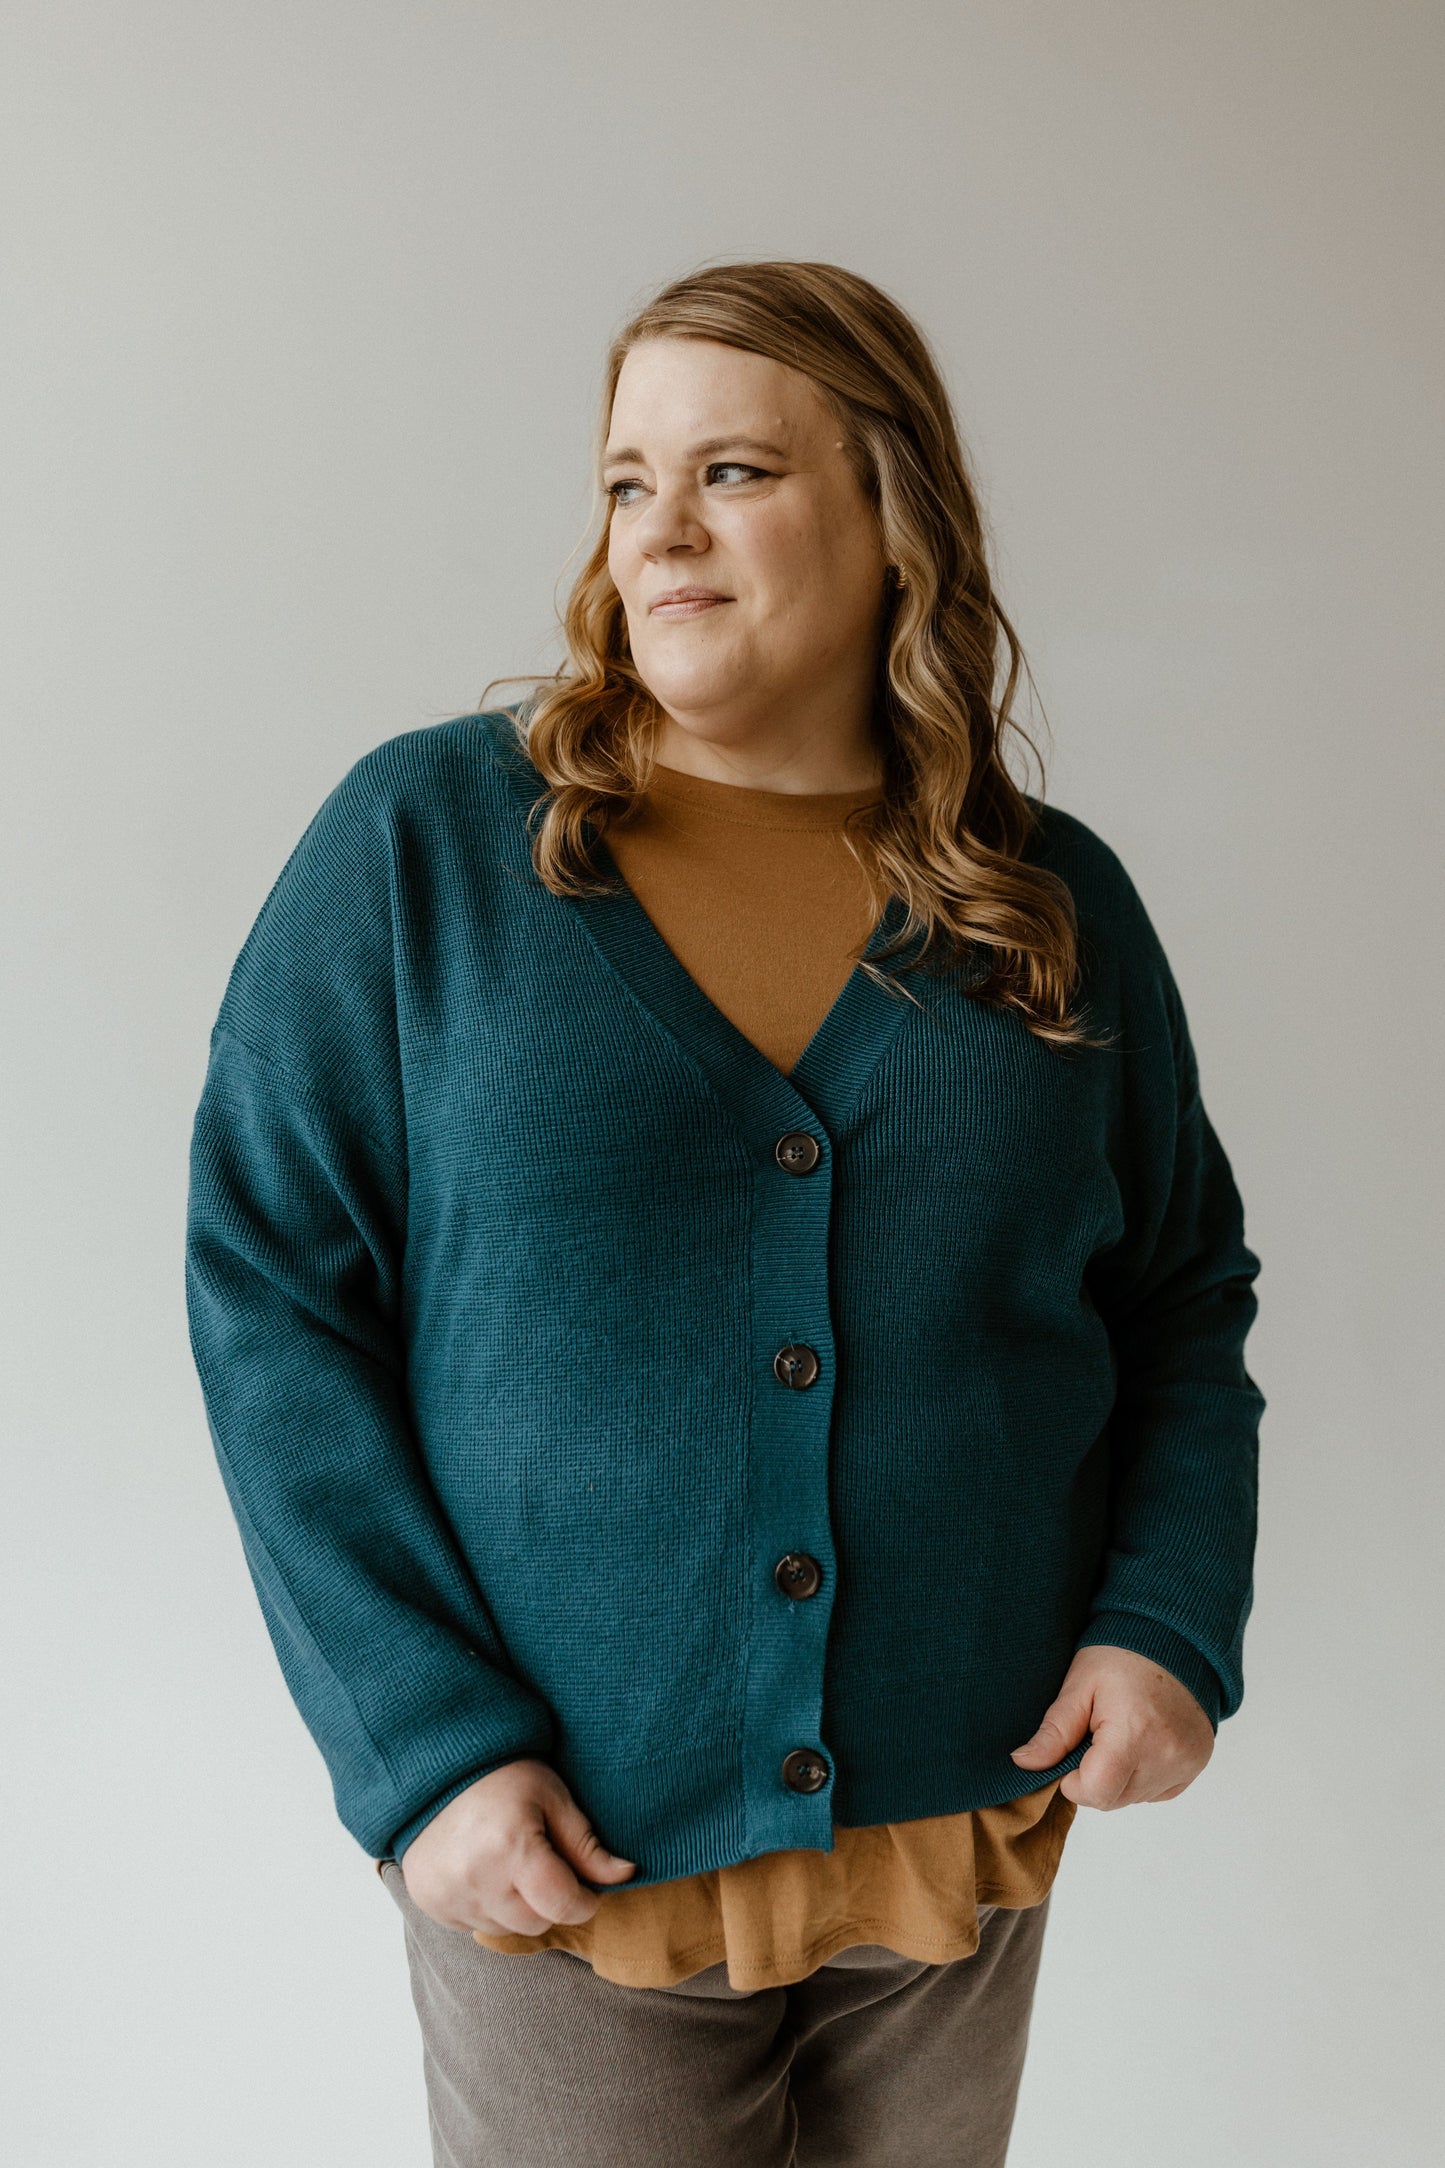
(808, 760)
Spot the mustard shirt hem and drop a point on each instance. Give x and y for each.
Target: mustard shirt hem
(766, 1911)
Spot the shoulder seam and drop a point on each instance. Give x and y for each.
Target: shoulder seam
(305, 1089)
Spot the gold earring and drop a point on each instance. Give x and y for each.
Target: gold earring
(899, 575)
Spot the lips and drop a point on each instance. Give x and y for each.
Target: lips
(686, 602)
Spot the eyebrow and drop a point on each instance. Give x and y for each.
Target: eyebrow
(628, 452)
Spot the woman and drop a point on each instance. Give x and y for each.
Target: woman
(720, 1308)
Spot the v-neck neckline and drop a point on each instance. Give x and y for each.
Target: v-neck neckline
(824, 1084)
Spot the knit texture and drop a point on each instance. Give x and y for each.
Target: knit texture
(488, 1260)
(757, 895)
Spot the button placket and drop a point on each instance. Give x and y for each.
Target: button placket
(797, 1574)
(789, 1773)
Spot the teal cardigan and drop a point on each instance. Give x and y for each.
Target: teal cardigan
(492, 1259)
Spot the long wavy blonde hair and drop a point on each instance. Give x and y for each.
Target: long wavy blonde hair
(947, 833)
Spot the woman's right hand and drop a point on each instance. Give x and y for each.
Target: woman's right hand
(504, 1856)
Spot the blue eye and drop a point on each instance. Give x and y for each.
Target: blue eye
(614, 490)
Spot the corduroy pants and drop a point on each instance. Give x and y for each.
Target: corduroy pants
(875, 2059)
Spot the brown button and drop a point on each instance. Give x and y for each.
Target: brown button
(796, 1366)
(797, 1152)
(798, 1575)
(804, 1771)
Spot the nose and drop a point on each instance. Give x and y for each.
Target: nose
(671, 521)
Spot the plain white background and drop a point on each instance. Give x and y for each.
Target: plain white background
(306, 307)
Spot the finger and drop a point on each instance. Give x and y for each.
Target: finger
(543, 1880)
(483, 1924)
(1063, 1725)
(578, 1843)
(520, 1920)
(513, 1916)
(1103, 1778)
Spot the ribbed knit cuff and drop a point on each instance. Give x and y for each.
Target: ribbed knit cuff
(1148, 1637)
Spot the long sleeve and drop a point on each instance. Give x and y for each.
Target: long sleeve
(295, 1234)
(1176, 1294)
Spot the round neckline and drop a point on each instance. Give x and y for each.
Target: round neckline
(759, 808)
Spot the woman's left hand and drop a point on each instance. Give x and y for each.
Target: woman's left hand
(1151, 1737)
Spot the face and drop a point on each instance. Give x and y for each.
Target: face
(748, 559)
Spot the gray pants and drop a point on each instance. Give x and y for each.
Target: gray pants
(532, 2061)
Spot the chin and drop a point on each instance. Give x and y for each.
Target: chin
(691, 690)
